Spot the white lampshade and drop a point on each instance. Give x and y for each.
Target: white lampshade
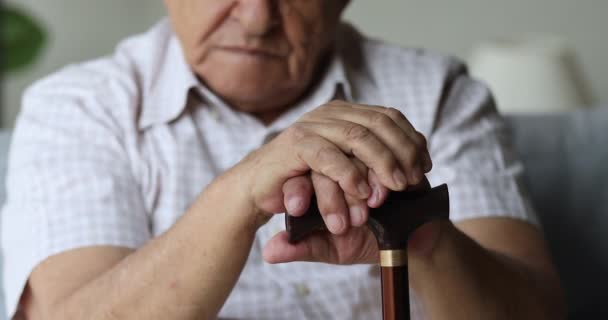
(534, 74)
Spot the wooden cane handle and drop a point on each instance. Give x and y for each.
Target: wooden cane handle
(392, 224)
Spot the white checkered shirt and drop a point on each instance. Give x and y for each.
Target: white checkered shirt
(113, 151)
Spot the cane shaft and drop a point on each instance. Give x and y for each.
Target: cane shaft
(392, 224)
(395, 293)
(395, 285)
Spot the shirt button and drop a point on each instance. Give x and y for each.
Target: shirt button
(302, 289)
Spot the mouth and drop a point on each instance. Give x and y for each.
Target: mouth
(253, 52)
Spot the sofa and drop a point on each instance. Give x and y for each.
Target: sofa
(566, 161)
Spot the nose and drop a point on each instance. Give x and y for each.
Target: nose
(257, 17)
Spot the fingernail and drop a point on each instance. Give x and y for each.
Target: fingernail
(334, 223)
(400, 178)
(416, 175)
(356, 216)
(293, 204)
(364, 189)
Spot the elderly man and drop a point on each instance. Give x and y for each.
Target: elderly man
(144, 185)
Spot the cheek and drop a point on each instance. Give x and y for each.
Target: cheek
(309, 31)
(195, 21)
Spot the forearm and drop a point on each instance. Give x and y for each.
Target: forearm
(464, 280)
(186, 273)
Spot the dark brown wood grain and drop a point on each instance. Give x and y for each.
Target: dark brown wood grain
(392, 224)
(395, 293)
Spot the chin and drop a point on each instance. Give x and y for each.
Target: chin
(255, 97)
(253, 88)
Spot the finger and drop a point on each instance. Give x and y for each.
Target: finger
(425, 185)
(358, 211)
(367, 114)
(425, 159)
(330, 199)
(322, 156)
(296, 195)
(379, 192)
(428, 163)
(315, 248)
(403, 142)
(418, 138)
(355, 139)
(397, 116)
(360, 166)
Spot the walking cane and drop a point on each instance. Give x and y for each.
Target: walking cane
(392, 224)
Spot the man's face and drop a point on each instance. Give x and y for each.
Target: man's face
(259, 55)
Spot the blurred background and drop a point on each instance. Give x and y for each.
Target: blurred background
(544, 60)
(80, 30)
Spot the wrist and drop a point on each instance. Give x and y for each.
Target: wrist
(236, 186)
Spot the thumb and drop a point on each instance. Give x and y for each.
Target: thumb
(314, 248)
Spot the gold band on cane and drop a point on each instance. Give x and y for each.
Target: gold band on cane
(393, 258)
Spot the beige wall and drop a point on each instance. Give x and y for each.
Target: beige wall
(79, 30)
(456, 26)
(82, 29)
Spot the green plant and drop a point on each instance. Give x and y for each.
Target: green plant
(21, 39)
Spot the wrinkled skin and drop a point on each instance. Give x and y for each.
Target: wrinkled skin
(258, 55)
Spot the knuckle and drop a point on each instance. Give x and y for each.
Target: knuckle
(298, 185)
(297, 131)
(377, 107)
(386, 158)
(346, 177)
(327, 197)
(394, 113)
(352, 201)
(351, 174)
(327, 203)
(327, 155)
(420, 139)
(411, 153)
(381, 120)
(357, 132)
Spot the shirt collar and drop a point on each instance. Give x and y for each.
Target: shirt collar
(332, 85)
(166, 95)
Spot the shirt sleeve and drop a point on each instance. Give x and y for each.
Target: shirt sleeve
(69, 184)
(472, 153)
